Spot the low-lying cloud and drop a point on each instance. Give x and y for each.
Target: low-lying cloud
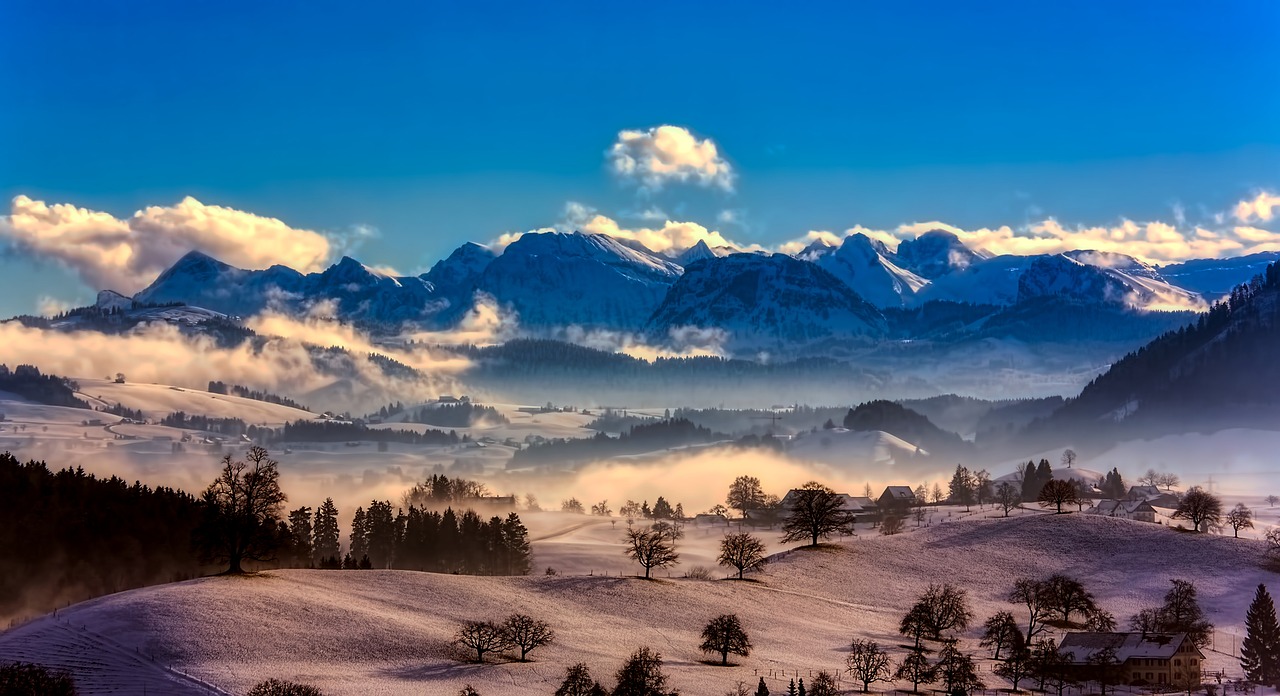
(127, 254)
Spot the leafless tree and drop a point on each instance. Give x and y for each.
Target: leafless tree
(573, 505)
(915, 668)
(1031, 594)
(651, 549)
(601, 509)
(892, 523)
(1272, 500)
(742, 551)
(724, 635)
(1058, 493)
(1068, 458)
(527, 633)
(1200, 507)
(1240, 517)
(1008, 497)
(242, 511)
(816, 513)
(745, 494)
(483, 637)
(868, 663)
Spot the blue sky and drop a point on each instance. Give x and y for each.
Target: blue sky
(436, 123)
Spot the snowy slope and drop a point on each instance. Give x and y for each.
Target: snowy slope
(766, 301)
(865, 266)
(384, 632)
(557, 279)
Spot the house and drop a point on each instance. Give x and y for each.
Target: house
(1139, 510)
(897, 496)
(1139, 658)
(708, 518)
(1143, 493)
(859, 509)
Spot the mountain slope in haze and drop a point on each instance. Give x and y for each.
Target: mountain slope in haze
(358, 292)
(1214, 278)
(456, 278)
(766, 301)
(591, 280)
(1218, 371)
(909, 425)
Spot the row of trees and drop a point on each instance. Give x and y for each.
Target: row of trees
(242, 522)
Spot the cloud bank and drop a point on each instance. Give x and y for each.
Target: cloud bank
(658, 156)
(127, 254)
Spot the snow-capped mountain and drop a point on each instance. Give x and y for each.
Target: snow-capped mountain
(592, 280)
(360, 293)
(935, 254)
(456, 279)
(766, 301)
(864, 265)
(1214, 278)
(1148, 287)
(700, 251)
(992, 281)
(1062, 276)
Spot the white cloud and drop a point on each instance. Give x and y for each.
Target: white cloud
(671, 237)
(665, 154)
(1262, 207)
(127, 254)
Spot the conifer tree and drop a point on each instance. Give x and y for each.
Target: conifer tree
(300, 537)
(358, 544)
(762, 689)
(325, 533)
(1260, 651)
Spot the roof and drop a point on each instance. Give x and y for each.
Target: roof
(899, 492)
(1113, 508)
(1127, 646)
(1143, 492)
(849, 502)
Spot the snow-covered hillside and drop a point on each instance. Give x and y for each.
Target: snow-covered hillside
(385, 632)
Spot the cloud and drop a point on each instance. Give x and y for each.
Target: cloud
(127, 254)
(682, 342)
(161, 353)
(795, 246)
(671, 237)
(665, 154)
(486, 323)
(1262, 207)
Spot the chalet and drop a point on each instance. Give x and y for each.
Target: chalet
(491, 502)
(1139, 510)
(708, 518)
(897, 496)
(1143, 493)
(860, 509)
(1139, 658)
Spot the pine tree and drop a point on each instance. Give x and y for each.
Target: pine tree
(359, 541)
(327, 537)
(791, 690)
(801, 692)
(762, 689)
(1260, 651)
(300, 537)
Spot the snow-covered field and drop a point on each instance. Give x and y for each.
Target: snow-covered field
(386, 632)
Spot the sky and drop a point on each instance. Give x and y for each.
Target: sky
(295, 132)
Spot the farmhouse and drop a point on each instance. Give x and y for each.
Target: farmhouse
(1139, 510)
(859, 508)
(897, 496)
(1138, 658)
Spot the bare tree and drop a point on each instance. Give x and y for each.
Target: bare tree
(936, 496)
(1240, 517)
(1167, 480)
(1017, 664)
(745, 494)
(724, 635)
(999, 632)
(915, 668)
(1272, 500)
(651, 549)
(816, 513)
(823, 684)
(483, 637)
(891, 523)
(242, 511)
(527, 633)
(943, 608)
(601, 509)
(1273, 540)
(1031, 594)
(1008, 497)
(578, 682)
(642, 675)
(1068, 458)
(573, 505)
(743, 552)
(868, 663)
(1200, 507)
(1058, 493)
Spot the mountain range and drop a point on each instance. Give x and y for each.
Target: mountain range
(857, 291)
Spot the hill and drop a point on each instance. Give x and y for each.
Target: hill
(384, 632)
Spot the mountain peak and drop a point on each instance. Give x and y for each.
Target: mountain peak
(935, 253)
